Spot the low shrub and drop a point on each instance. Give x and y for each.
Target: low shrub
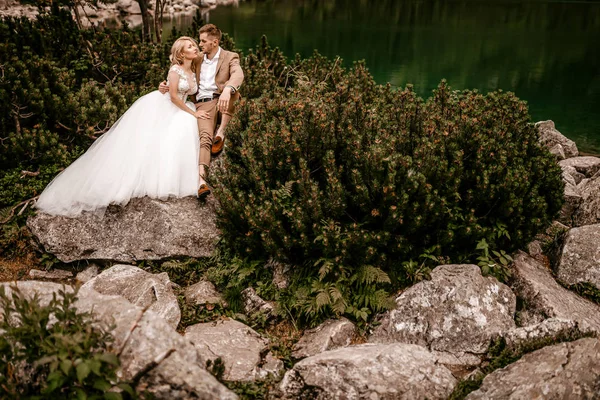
(349, 181)
(54, 351)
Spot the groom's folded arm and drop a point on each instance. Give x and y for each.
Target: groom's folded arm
(236, 75)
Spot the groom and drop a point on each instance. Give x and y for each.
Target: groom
(219, 77)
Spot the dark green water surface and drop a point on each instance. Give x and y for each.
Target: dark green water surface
(548, 53)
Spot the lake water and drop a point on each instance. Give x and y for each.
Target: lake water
(548, 53)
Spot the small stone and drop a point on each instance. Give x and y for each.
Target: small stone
(55, 274)
(87, 274)
(330, 335)
(253, 304)
(240, 347)
(203, 292)
(550, 137)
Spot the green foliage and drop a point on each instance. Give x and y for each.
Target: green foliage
(495, 262)
(55, 352)
(327, 165)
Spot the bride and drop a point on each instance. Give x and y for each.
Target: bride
(152, 150)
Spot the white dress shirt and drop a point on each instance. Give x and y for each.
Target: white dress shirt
(207, 85)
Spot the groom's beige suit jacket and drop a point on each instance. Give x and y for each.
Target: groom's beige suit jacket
(229, 72)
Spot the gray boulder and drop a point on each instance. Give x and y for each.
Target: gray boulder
(149, 291)
(145, 229)
(586, 165)
(241, 348)
(588, 211)
(550, 137)
(330, 335)
(580, 258)
(563, 371)
(545, 298)
(456, 314)
(369, 371)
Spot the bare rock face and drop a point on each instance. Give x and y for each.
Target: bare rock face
(550, 137)
(457, 312)
(563, 371)
(145, 229)
(369, 371)
(580, 258)
(330, 335)
(203, 292)
(240, 347)
(588, 211)
(43, 290)
(544, 297)
(151, 291)
(585, 165)
(165, 364)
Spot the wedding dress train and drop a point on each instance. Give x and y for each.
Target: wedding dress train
(152, 150)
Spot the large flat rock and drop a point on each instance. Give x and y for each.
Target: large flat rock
(369, 371)
(145, 229)
(563, 371)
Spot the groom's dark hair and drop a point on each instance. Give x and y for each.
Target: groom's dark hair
(211, 30)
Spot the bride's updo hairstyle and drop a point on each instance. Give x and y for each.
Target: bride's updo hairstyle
(176, 56)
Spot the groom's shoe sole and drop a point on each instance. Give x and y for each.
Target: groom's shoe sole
(217, 146)
(203, 191)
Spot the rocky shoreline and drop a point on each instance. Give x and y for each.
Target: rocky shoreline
(441, 334)
(111, 14)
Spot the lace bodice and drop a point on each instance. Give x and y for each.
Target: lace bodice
(185, 87)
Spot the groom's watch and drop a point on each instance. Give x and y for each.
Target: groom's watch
(233, 90)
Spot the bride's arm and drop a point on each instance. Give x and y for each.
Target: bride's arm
(173, 85)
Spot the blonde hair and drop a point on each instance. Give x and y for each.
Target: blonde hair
(176, 56)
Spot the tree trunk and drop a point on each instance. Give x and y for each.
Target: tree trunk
(146, 24)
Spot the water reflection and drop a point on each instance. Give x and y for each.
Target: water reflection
(546, 52)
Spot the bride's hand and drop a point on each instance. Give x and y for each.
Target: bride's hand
(163, 87)
(202, 114)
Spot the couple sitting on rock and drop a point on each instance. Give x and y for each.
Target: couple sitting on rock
(161, 147)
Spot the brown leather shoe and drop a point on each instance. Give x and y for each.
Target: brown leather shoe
(203, 191)
(217, 146)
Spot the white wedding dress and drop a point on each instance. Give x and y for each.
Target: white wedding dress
(152, 150)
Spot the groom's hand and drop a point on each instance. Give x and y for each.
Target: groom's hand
(224, 100)
(163, 87)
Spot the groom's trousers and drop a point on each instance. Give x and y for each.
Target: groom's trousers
(206, 127)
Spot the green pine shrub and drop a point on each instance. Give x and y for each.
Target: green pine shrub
(350, 181)
(55, 352)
